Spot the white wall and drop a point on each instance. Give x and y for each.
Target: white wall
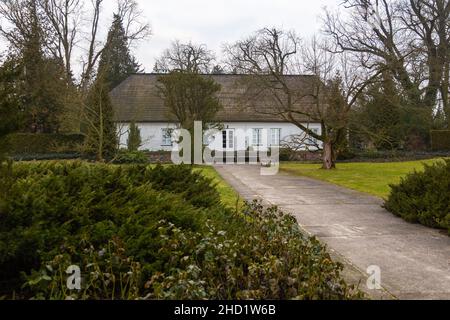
(151, 134)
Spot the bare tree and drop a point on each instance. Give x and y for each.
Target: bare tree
(429, 21)
(13, 17)
(339, 84)
(270, 57)
(136, 28)
(185, 57)
(95, 47)
(20, 20)
(98, 116)
(410, 38)
(64, 17)
(298, 143)
(68, 24)
(190, 97)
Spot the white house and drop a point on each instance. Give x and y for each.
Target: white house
(242, 126)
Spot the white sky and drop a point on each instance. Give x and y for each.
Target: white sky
(215, 22)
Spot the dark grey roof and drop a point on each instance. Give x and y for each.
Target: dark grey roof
(136, 99)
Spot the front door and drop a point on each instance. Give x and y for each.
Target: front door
(228, 144)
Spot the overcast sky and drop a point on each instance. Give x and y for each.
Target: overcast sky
(214, 22)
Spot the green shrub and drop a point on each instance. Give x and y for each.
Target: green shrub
(49, 206)
(286, 154)
(440, 140)
(267, 257)
(131, 157)
(27, 143)
(134, 141)
(48, 156)
(346, 154)
(424, 197)
(192, 186)
(154, 233)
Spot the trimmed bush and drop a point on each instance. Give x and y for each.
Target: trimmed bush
(371, 155)
(149, 232)
(131, 157)
(440, 140)
(286, 154)
(424, 197)
(48, 156)
(27, 143)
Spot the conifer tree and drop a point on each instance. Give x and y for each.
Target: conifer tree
(134, 141)
(116, 62)
(42, 84)
(10, 102)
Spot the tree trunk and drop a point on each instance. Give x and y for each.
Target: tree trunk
(445, 93)
(328, 156)
(101, 132)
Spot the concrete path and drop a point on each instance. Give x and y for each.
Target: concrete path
(414, 260)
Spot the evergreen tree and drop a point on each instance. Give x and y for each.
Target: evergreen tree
(101, 134)
(134, 141)
(116, 61)
(42, 78)
(385, 121)
(378, 121)
(11, 114)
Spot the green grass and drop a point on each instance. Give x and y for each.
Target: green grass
(229, 196)
(372, 178)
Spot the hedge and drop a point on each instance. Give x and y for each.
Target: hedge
(50, 156)
(131, 157)
(354, 155)
(28, 143)
(440, 140)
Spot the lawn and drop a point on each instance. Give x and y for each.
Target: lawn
(372, 178)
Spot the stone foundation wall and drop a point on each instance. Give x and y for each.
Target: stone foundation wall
(165, 157)
(307, 156)
(159, 157)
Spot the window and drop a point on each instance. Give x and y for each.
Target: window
(231, 139)
(167, 138)
(257, 137)
(228, 139)
(224, 139)
(275, 137)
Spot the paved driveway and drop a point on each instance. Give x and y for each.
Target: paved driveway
(414, 260)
